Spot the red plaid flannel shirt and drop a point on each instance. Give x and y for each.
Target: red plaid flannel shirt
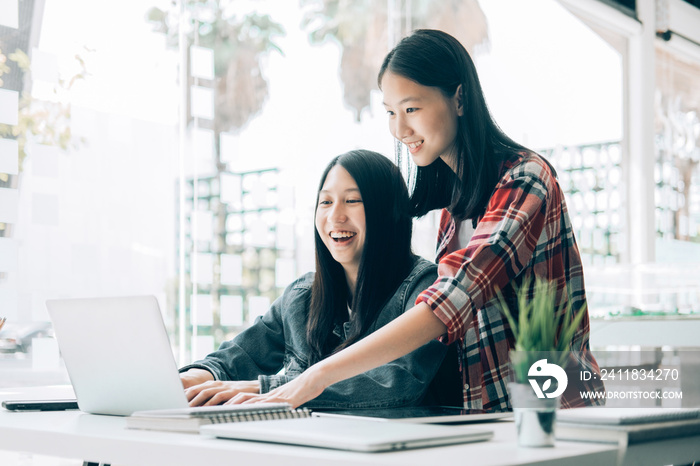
(525, 230)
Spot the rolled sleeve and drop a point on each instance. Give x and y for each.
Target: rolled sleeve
(449, 300)
(211, 369)
(270, 382)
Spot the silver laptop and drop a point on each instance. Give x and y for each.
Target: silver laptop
(348, 434)
(117, 354)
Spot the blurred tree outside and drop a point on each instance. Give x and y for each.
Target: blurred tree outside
(39, 121)
(362, 29)
(240, 44)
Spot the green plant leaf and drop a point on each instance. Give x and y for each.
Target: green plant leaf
(543, 324)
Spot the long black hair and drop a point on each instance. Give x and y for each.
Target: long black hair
(386, 255)
(436, 59)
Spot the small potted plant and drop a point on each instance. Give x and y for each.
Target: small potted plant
(543, 329)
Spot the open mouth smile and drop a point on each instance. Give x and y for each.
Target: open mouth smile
(414, 146)
(342, 236)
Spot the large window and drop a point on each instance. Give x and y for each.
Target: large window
(173, 148)
(88, 158)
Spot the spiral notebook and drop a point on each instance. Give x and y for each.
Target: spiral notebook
(191, 419)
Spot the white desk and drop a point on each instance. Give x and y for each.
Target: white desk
(72, 434)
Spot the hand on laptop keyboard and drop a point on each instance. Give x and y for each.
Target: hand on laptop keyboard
(216, 392)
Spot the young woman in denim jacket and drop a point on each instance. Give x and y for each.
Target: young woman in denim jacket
(366, 277)
(503, 220)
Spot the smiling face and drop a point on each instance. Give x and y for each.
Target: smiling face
(340, 220)
(422, 118)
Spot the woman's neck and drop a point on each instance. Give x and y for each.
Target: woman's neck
(351, 279)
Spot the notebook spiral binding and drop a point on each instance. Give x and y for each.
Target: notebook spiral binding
(261, 416)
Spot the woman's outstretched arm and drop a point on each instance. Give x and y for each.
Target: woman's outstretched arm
(413, 329)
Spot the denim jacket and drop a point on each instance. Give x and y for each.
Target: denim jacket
(278, 340)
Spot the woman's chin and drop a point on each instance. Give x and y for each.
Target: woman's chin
(423, 161)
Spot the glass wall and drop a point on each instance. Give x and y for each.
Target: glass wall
(677, 182)
(174, 149)
(677, 170)
(109, 189)
(88, 159)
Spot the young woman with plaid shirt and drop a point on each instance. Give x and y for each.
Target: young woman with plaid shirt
(503, 219)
